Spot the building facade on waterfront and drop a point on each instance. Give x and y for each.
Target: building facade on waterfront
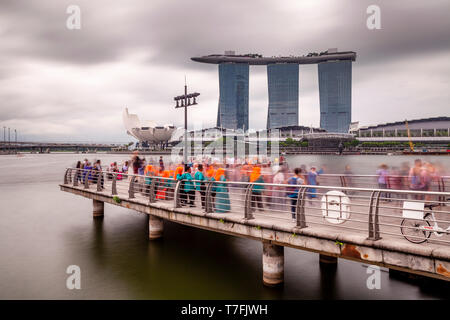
(335, 89)
(282, 80)
(233, 96)
(435, 129)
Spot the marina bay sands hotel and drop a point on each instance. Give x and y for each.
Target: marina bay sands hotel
(335, 88)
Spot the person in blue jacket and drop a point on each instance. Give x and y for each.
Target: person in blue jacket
(222, 201)
(189, 188)
(87, 171)
(312, 181)
(292, 192)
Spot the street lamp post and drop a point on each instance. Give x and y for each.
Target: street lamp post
(184, 101)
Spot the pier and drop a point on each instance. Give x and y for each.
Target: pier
(366, 225)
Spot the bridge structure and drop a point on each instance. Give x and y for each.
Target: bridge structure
(46, 147)
(402, 230)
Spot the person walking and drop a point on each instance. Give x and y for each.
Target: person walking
(78, 171)
(278, 199)
(148, 173)
(210, 174)
(221, 191)
(85, 163)
(164, 184)
(382, 177)
(171, 185)
(161, 163)
(98, 173)
(200, 179)
(312, 181)
(341, 147)
(189, 189)
(178, 174)
(394, 181)
(292, 192)
(255, 177)
(87, 172)
(416, 179)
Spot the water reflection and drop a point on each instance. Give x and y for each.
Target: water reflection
(98, 247)
(328, 280)
(41, 236)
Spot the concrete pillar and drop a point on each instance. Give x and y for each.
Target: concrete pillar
(327, 261)
(273, 264)
(99, 208)
(155, 227)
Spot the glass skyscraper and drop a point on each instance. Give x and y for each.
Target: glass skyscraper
(335, 88)
(283, 95)
(233, 96)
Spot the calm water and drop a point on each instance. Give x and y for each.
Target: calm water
(44, 230)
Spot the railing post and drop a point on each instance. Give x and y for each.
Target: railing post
(151, 196)
(176, 196)
(208, 200)
(99, 180)
(86, 179)
(441, 186)
(131, 188)
(66, 180)
(300, 209)
(376, 221)
(114, 185)
(75, 177)
(248, 203)
(374, 227)
(372, 198)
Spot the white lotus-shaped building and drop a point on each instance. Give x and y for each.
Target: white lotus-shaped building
(147, 130)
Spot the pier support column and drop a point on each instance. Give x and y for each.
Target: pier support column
(327, 261)
(273, 264)
(98, 208)
(155, 227)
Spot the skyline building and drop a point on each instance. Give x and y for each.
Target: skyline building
(233, 96)
(335, 90)
(282, 80)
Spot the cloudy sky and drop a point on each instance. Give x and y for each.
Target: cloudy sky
(72, 85)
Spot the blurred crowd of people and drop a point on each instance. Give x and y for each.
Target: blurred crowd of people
(420, 177)
(269, 180)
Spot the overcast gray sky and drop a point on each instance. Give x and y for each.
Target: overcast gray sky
(60, 84)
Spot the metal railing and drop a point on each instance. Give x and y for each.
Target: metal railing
(436, 183)
(373, 212)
